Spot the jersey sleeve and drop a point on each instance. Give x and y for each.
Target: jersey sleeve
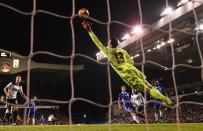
(21, 89)
(9, 85)
(99, 44)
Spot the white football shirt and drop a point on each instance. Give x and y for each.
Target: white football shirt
(13, 90)
(137, 99)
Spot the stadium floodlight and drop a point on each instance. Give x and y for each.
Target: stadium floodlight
(166, 11)
(137, 30)
(3, 54)
(158, 46)
(201, 27)
(189, 61)
(166, 68)
(126, 36)
(182, 2)
(154, 48)
(170, 40)
(137, 55)
(163, 43)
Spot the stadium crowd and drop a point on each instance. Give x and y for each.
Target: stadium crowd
(43, 117)
(188, 113)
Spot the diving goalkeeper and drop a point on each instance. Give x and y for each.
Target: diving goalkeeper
(123, 64)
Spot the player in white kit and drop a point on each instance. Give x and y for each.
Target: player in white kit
(11, 91)
(138, 100)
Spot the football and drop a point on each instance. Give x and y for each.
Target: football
(83, 13)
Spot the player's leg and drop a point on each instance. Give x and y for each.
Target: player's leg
(33, 117)
(144, 86)
(153, 92)
(8, 112)
(136, 110)
(14, 115)
(156, 94)
(134, 116)
(7, 115)
(129, 108)
(28, 117)
(156, 113)
(33, 121)
(141, 109)
(161, 113)
(136, 79)
(14, 111)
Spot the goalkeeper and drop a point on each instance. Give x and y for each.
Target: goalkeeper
(123, 64)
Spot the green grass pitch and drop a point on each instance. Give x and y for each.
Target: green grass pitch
(107, 127)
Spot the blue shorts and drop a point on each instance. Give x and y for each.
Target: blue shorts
(31, 113)
(129, 106)
(157, 104)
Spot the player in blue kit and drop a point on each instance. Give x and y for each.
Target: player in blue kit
(126, 99)
(32, 111)
(158, 114)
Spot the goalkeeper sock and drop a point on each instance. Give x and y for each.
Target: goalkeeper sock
(157, 95)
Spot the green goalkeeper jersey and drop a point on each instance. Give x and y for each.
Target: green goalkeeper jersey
(123, 64)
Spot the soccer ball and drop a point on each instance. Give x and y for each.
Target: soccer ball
(83, 13)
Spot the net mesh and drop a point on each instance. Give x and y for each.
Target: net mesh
(144, 61)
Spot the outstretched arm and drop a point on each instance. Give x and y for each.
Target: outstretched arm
(22, 94)
(94, 38)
